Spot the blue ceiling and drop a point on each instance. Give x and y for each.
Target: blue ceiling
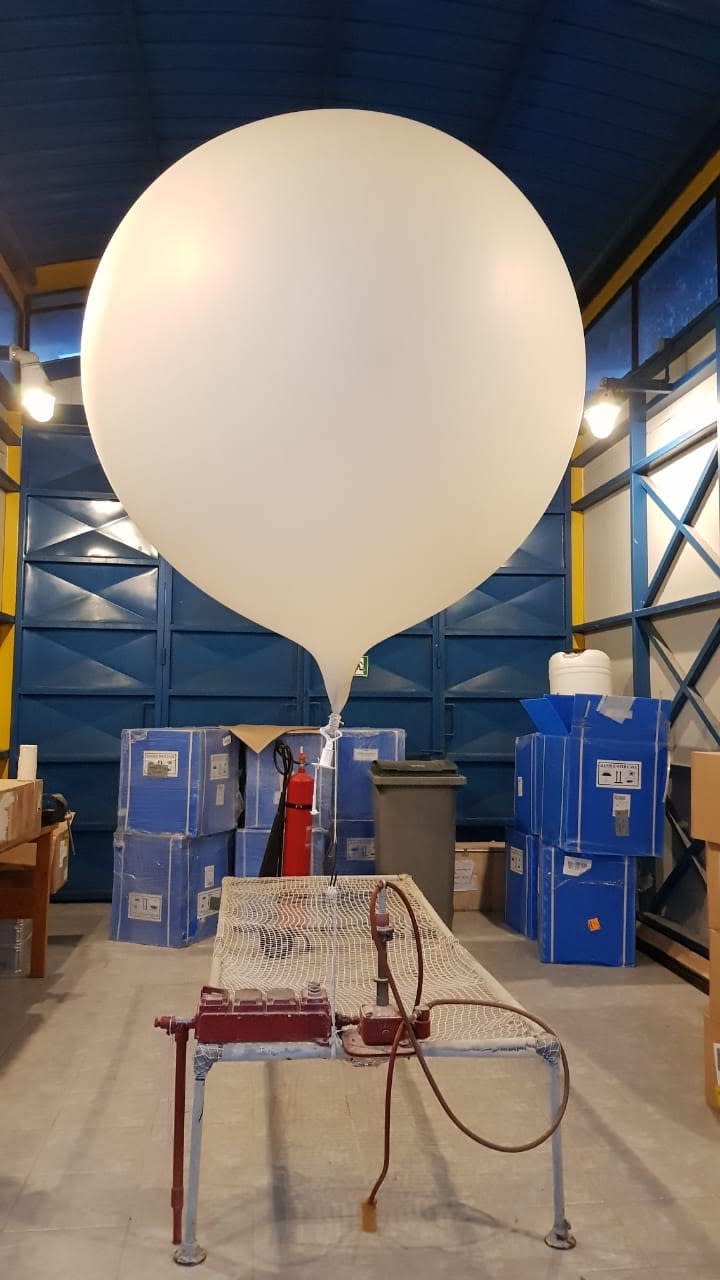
(590, 106)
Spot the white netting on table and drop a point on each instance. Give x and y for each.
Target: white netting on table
(279, 933)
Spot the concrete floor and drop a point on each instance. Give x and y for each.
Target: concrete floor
(291, 1149)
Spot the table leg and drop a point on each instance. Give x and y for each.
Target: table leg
(41, 895)
(560, 1237)
(190, 1252)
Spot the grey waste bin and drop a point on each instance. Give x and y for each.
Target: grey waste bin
(414, 809)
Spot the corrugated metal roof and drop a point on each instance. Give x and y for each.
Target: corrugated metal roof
(586, 104)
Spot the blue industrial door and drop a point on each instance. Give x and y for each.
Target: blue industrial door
(109, 636)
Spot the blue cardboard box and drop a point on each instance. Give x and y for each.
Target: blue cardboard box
(521, 883)
(178, 780)
(527, 782)
(357, 748)
(355, 854)
(251, 843)
(263, 783)
(587, 909)
(604, 774)
(166, 888)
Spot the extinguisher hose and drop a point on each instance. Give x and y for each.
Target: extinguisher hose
(272, 858)
(406, 1031)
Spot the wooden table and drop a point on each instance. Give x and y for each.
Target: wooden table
(25, 868)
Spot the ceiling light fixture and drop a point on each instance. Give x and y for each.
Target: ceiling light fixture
(604, 406)
(36, 394)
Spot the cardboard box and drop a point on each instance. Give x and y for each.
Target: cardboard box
(60, 855)
(20, 811)
(604, 773)
(251, 843)
(705, 796)
(587, 909)
(712, 879)
(263, 783)
(357, 750)
(712, 1060)
(714, 987)
(521, 883)
(182, 781)
(166, 888)
(527, 782)
(479, 877)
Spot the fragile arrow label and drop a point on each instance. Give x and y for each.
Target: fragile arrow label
(619, 773)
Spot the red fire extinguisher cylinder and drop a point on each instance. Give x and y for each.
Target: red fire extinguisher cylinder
(298, 821)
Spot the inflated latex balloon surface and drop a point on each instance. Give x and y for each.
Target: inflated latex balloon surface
(333, 366)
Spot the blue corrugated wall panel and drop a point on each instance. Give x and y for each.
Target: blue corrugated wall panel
(109, 637)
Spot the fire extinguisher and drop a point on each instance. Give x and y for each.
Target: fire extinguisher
(298, 820)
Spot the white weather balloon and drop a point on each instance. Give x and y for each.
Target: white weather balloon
(333, 365)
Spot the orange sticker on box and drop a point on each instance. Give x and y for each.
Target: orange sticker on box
(594, 924)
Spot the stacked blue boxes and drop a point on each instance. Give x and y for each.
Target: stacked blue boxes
(353, 852)
(591, 786)
(177, 815)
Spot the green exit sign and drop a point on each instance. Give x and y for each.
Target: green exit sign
(362, 667)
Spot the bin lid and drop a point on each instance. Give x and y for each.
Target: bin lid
(415, 773)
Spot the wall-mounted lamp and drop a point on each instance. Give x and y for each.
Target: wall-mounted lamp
(604, 406)
(36, 394)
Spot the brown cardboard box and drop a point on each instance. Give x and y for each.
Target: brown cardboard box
(712, 875)
(712, 1061)
(20, 810)
(479, 877)
(714, 949)
(60, 855)
(705, 795)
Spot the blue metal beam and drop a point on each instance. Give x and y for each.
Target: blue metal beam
(638, 548)
(697, 668)
(690, 604)
(683, 531)
(698, 704)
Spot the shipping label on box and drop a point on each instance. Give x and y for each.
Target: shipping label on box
(145, 906)
(160, 764)
(208, 903)
(360, 849)
(465, 875)
(619, 773)
(219, 765)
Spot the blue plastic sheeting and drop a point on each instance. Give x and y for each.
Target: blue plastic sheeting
(163, 887)
(178, 780)
(603, 782)
(521, 882)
